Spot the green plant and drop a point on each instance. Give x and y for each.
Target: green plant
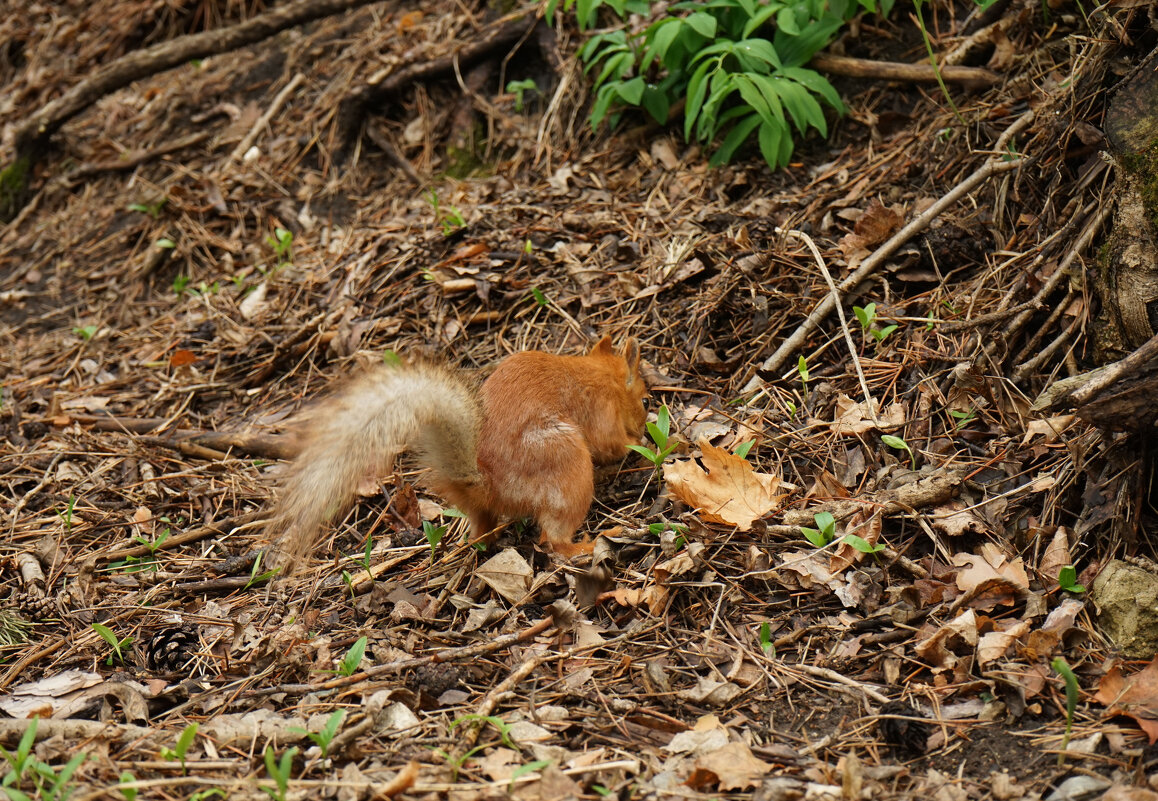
(861, 544)
(744, 448)
(165, 243)
(656, 529)
(448, 216)
(896, 443)
(504, 730)
(180, 283)
(117, 644)
(523, 770)
(134, 564)
(765, 635)
(1067, 579)
(353, 657)
(186, 738)
(824, 532)
(255, 574)
(659, 432)
(586, 11)
(519, 88)
(1062, 667)
(66, 515)
(46, 783)
(740, 64)
(205, 795)
(802, 371)
(538, 295)
(867, 317)
(323, 738)
(152, 209)
(279, 771)
(129, 793)
(434, 535)
(963, 418)
(85, 332)
(282, 242)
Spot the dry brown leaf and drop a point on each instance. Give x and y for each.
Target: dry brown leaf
(1056, 556)
(993, 645)
(1134, 696)
(729, 490)
(733, 767)
(1051, 428)
(988, 564)
(851, 418)
(955, 519)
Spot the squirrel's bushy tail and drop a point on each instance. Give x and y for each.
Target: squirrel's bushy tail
(359, 430)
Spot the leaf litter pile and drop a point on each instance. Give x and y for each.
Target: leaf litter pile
(865, 570)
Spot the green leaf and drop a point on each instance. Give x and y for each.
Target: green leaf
(632, 91)
(736, 137)
(744, 448)
(770, 138)
(826, 523)
(786, 22)
(702, 23)
(1067, 579)
(816, 83)
(353, 657)
(697, 89)
(757, 20)
(657, 104)
(603, 100)
(802, 106)
(862, 544)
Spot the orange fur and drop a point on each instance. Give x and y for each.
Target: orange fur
(524, 445)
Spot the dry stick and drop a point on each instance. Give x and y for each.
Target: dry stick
(263, 121)
(1142, 356)
(492, 699)
(840, 678)
(994, 166)
(898, 71)
(834, 293)
(142, 63)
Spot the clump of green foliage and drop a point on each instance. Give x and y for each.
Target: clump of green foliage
(739, 63)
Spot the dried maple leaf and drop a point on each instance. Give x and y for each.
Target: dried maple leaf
(728, 491)
(1134, 696)
(733, 766)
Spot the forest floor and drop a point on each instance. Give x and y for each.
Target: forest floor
(203, 252)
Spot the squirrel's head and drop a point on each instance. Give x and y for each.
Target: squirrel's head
(624, 365)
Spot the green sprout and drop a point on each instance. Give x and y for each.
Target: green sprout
(1067, 579)
(117, 644)
(279, 771)
(896, 443)
(824, 532)
(353, 657)
(519, 88)
(188, 735)
(323, 738)
(282, 242)
(85, 332)
(765, 635)
(1060, 666)
(659, 432)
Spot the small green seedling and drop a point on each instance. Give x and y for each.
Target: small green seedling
(135, 564)
(862, 545)
(896, 443)
(66, 515)
(117, 644)
(448, 216)
(744, 448)
(867, 317)
(323, 738)
(255, 574)
(165, 243)
(178, 752)
(129, 793)
(504, 735)
(85, 332)
(528, 247)
(434, 535)
(659, 432)
(519, 88)
(1062, 667)
(931, 320)
(391, 359)
(523, 770)
(601, 791)
(353, 657)
(47, 783)
(205, 795)
(279, 771)
(963, 418)
(791, 409)
(152, 209)
(538, 295)
(282, 242)
(18, 761)
(180, 284)
(1067, 579)
(802, 370)
(656, 529)
(824, 532)
(766, 639)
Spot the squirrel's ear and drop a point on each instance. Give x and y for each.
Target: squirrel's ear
(630, 355)
(603, 346)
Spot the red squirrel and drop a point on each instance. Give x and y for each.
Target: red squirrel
(521, 445)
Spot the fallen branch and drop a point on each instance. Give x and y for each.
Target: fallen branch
(897, 71)
(33, 132)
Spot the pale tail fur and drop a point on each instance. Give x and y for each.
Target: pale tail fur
(357, 433)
